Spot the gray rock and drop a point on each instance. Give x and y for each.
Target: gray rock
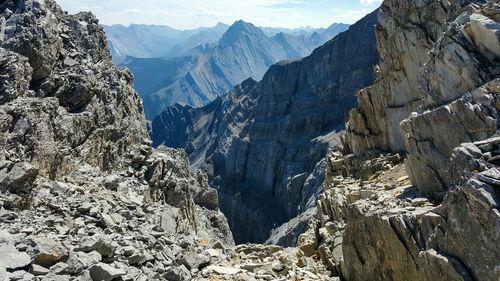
(104, 272)
(60, 268)
(178, 273)
(78, 261)
(194, 261)
(12, 259)
(101, 245)
(46, 251)
(38, 270)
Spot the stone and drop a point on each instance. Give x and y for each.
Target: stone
(222, 270)
(102, 245)
(38, 270)
(128, 251)
(277, 266)
(47, 251)
(60, 268)
(104, 272)
(308, 250)
(194, 261)
(178, 273)
(18, 178)
(78, 261)
(12, 259)
(212, 252)
(137, 258)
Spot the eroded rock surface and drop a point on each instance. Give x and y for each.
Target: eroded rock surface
(413, 193)
(83, 195)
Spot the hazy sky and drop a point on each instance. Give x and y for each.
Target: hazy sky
(188, 14)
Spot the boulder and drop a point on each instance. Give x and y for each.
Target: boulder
(105, 272)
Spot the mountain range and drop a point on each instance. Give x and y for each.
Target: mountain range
(408, 189)
(201, 70)
(156, 41)
(262, 144)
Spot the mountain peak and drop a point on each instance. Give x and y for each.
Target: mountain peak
(237, 29)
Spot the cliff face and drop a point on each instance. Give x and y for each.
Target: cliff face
(261, 143)
(78, 175)
(436, 101)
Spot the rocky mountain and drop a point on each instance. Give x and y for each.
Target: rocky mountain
(262, 144)
(209, 71)
(157, 41)
(414, 192)
(410, 193)
(204, 36)
(328, 33)
(82, 193)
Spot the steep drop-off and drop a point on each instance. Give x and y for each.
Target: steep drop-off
(263, 143)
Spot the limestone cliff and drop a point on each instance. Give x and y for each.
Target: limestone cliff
(434, 107)
(263, 143)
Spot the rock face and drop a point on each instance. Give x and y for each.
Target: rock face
(82, 193)
(262, 144)
(429, 216)
(208, 71)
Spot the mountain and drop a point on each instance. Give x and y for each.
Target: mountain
(211, 70)
(204, 36)
(263, 143)
(410, 193)
(80, 185)
(271, 31)
(156, 41)
(413, 193)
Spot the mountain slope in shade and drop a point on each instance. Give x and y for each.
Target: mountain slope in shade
(210, 70)
(263, 143)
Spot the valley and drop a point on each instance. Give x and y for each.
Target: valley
(367, 151)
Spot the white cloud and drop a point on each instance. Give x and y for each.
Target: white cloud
(194, 13)
(370, 2)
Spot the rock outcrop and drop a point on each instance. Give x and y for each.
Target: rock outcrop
(83, 195)
(413, 193)
(263, 143)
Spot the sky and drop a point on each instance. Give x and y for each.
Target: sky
(190, 14)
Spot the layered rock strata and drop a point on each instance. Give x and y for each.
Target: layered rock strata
(433, 216)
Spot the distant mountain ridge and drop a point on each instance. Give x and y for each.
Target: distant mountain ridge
(157, 41)
(209, 70)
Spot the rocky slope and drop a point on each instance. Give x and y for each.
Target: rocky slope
(263, 143)
(414, 192)
(203, 73)
(82, 193)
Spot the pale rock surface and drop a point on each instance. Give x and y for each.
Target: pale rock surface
(435, 216)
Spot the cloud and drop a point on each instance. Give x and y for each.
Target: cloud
(370, 2)
(188, 14)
